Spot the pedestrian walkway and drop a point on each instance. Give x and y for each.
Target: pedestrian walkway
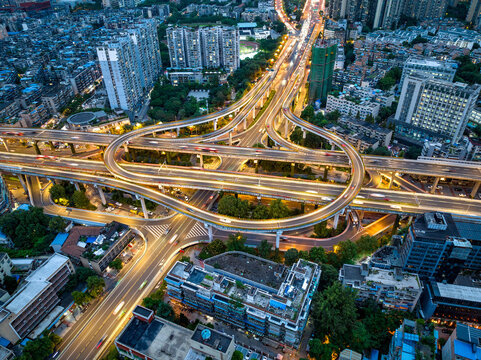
(157, 230)
(197, 230)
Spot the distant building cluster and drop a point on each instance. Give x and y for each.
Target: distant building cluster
(205, 47)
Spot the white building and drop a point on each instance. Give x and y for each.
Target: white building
(430, 108)
(442, 70)
(351, 106)
(130, 65)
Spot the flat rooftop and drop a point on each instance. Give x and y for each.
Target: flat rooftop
(26, 295)
(459, 292)
(251, 268)
(388, 278)
(211, 338)
(48, 268)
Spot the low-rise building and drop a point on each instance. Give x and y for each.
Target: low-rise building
(95, 247)
(149, 337)
(463, 344)
(35, 298)
(394, 289)
(372, 131)
(5, 266)
(261, 296)
(361, 142)
(352, 106)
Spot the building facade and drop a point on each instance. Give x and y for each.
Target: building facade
(437, 246)
(263, 297)
(351, 106)
(464, 343)
(322, 70)
(35, 299)
(429, 67)
(130, 65)
(430, 108)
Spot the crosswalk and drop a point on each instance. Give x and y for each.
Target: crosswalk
(197, 230)
(157, 230)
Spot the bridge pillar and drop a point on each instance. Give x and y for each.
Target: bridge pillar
(209, 231)
(161, 188)
(72, 147)
(29, 191)
(230, 138)
(178, 132)
(215, 124)
(475, 189)
(336, 221)
(77, 186)
(391, 180)
(22, 182)
(37, 149)
(126, 148)
(304, 133)
(101, 193)
(333, 146)
(5, 144)
(435, 185)
(201, 160)
(293, 167)
(245, 123)
(253, 113)
(286, 127)
(144, 208)
(278, 238)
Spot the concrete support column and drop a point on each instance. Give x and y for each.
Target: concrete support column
(144, 208)
(102, 195)
(201, 160)
(333, 146)
(22, 182)
(215, 124)
(293, 167)
(475, 189)
(29, 191)
(37, 149)
(126, 148)
(278, 238)
(253, 113)
(77, 186)
(245, 123)
(5, 144)
(391, 180)
(230, 138)
(72, 147)
(336, 221)
(286, 128)
(304, 133)
(360, 214)
(435, 185)
(178, 132)
(209, 231)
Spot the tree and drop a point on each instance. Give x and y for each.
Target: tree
(367, 244)
(116, 264)
(57, 224)
(25, 227)
(291, 256)
(216, 247)
(347, 251)
(80, 200)
(329, 275)
(232, 206)
(333, 116)
(278, 209)
(413, 152)
(264, 249)
(317, 254)
(41, 347)
(80, 298)
(320, 351)
(236, 242)
(165, 311)
(95, 285)
(150, 303)
(57, 192)
(10, 284)
(369, 119)
(260, 212)
(308, 113)
(334, 312)
(237, 355)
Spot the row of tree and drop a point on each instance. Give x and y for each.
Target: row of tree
(95, 287)
(65, 194)
(233, 206)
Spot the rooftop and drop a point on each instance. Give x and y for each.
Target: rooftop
(458, 292)
(48, 268)
(25, 295)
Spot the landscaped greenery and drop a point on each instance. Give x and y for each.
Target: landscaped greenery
(65, 194)
(391, 78)
(95, 287)
(41, 347)
(468, 72)
(233, 206)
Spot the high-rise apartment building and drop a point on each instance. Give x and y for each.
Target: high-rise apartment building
(431, 109)
(436, 69)
(322, 69)
(387, 13)
(130, 65)
(474, 11)
(437, 246)
(425, 9)
(207, 47)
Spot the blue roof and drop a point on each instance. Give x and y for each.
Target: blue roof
(374, 354)
(4, 342)
(25, 207)
(59, 239)
(465, 350)
(90, 239)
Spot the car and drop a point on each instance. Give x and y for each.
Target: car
(99, 344)
(15, 133)
(142, 285)
(118, 308)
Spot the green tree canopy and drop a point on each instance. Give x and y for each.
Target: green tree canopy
(95, 285)
(80, 298)
(57, 224)
(277, 209)
(291, 256)
(116, 264)
(264, 249)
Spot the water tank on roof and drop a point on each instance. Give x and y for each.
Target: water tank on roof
(205, 334)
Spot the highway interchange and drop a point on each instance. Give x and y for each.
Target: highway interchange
(146, 180)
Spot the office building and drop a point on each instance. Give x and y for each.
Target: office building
(206, 47)
(393, 289)
(432, 68)
(432, 109)
(463, 344)
(437, 246)
(35, 298)
(148, 337)
(130, 65)
(248, 292)
(451, 301)
(322, 70)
